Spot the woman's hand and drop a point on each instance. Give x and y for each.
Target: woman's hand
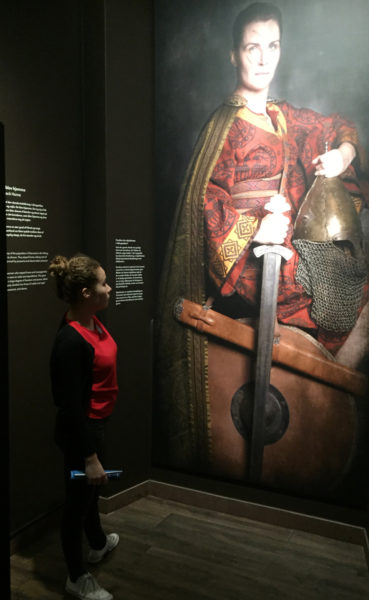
(274, 226)
(94, 471)
(334, 162)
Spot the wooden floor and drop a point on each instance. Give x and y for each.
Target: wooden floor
(172, 552)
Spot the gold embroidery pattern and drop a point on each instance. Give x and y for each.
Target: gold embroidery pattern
(231, 249)
(245, 227)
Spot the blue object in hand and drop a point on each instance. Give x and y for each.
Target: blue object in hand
(111, 473)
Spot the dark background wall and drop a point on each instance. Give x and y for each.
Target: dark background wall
(324, 66)
(78, 140)
(129, 215)
(40, 107)
(118, 191)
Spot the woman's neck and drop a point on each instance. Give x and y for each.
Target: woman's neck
(83, 316)
(256, 101)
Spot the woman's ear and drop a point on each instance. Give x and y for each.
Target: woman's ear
(85, 292)
(233, 58)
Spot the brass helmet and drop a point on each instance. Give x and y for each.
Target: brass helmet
(328, 214)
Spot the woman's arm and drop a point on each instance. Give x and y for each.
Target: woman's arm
(312, 132)
(71, 365)
(335, 162)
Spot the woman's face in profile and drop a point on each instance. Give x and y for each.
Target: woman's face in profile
(100, 294)
(258, 55)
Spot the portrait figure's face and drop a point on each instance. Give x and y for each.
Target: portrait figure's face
(257, 57)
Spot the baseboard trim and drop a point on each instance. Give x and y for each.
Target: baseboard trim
(249, 510)
(111, 503)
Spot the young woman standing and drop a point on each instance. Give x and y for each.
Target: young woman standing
(84, 387)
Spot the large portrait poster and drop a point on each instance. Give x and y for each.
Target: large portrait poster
(262, 362)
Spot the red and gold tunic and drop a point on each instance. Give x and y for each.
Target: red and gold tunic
(260, 157)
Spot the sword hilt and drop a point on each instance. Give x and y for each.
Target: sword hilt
(283, 251)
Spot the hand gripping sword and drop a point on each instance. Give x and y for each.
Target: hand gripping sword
(268, 308)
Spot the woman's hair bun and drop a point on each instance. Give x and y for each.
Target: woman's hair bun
(58, 266)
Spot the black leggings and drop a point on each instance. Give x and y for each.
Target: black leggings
(81, 513)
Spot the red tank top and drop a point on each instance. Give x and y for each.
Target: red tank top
(104, 377)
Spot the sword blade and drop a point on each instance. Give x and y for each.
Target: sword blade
(268, 309)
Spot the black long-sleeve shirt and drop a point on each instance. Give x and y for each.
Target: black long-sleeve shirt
(71, 371)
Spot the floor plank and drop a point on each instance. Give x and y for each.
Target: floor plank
(169, 551)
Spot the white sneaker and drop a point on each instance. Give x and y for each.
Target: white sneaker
(94, 556)
(87, 588)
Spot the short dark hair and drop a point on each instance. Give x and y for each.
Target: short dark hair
(258, 11)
